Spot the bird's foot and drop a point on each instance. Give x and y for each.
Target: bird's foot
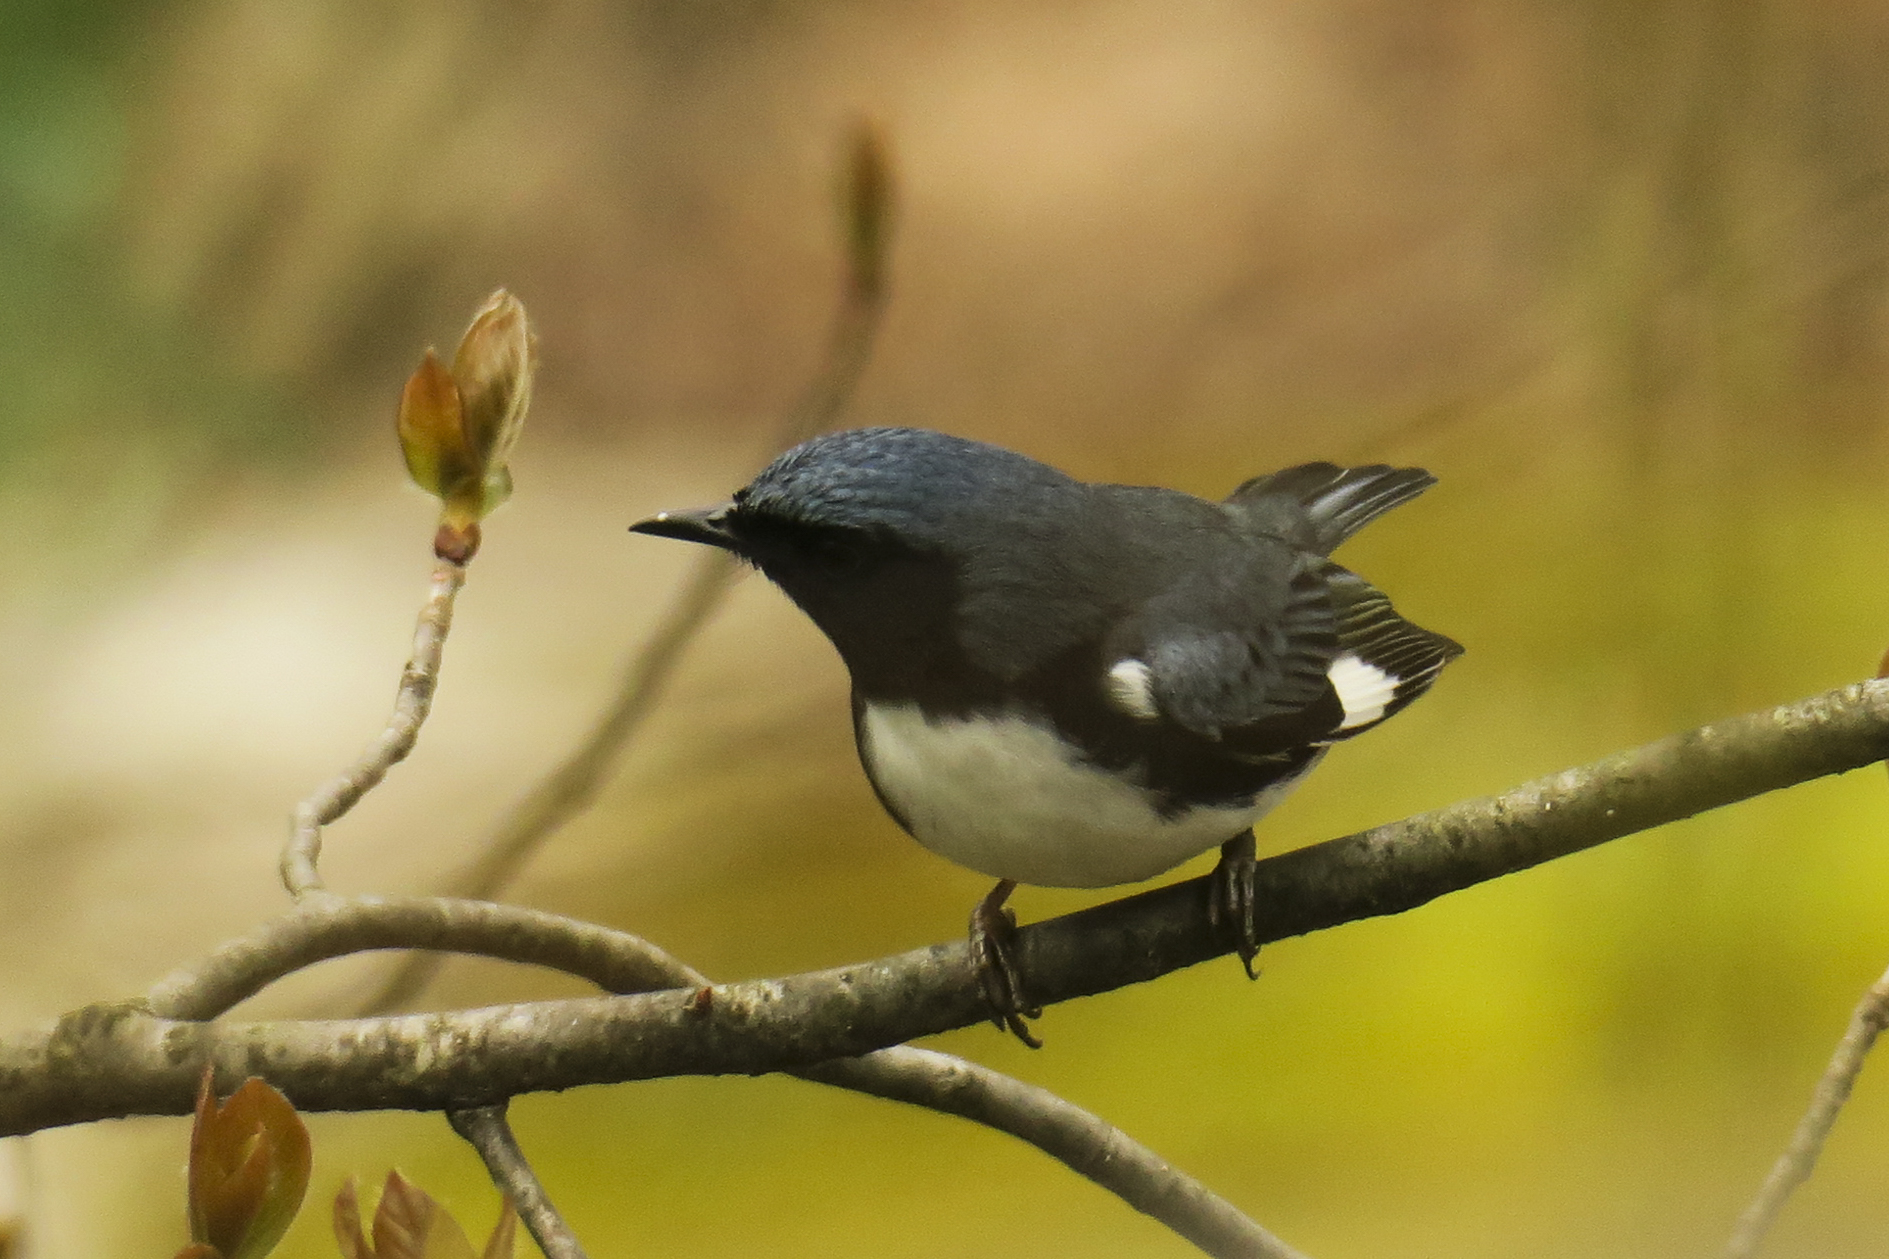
(993, 932)
(1231, 896)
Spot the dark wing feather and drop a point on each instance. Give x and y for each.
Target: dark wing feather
(1370, 629)
(1263, 685)
(1243, 646)
(1263, 650)
(1331, 502)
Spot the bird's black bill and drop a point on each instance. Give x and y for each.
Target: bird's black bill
(708, 525)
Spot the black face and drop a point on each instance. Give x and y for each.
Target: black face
(886, 606)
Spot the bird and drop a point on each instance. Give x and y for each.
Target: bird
(1072, 684)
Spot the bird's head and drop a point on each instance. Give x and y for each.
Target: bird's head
(869, 523)
(847, 496)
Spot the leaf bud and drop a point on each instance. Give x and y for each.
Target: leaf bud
(457, 428)
(249, 1165)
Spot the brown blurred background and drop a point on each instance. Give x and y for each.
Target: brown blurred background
(1615, 271)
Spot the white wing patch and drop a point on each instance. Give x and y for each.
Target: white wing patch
(1364, 689)
(1131, 689)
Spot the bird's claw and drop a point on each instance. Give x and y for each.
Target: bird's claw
(1231, 898)
(993, 932)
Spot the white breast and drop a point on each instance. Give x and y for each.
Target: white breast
(1007, 799)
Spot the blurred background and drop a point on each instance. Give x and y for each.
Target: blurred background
(1616, 272)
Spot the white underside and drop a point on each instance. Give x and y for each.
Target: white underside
(1005, 798)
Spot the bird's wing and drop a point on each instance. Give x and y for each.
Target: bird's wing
(1233, 646)
(1277, 659)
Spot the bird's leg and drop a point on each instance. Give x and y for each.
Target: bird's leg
(1231, 896)
(993, 931)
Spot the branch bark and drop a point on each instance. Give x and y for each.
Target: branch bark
(623, 963)
(108, 1061)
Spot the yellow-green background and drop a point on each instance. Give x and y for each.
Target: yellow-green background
(1615, 271)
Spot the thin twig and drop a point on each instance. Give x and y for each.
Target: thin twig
(487, 1131)
(615, 961)
(1794, 1166)
(1080, 1141)
(411, 704)
(573, 786)
(619, 962)
(112, 1060)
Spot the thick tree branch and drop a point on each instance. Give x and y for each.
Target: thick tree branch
(623, 963)
(105, 1061)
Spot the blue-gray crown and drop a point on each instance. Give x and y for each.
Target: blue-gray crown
(912, 482)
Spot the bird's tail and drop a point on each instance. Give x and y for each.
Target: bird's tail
(1337, 501)
(1384, 662)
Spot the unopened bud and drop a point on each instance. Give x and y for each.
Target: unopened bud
(457, 428)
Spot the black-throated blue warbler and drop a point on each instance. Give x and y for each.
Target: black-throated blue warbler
(1072, 684)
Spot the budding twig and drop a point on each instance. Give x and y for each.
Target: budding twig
(570, 788)
(411, 705)
(456, 429)
(866, 203)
